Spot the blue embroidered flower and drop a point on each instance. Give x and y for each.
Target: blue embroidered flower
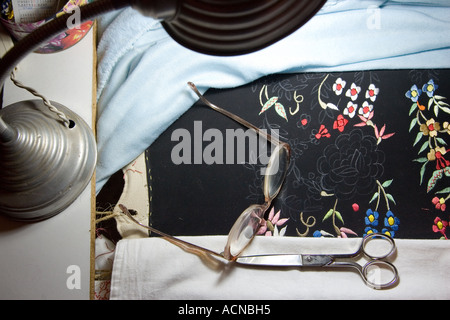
(388, 232)
(391, 221)
(413, 93)
(371, 218)
(317, 234)
(369, 230)
(429, 88)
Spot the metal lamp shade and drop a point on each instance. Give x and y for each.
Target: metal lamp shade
(44, 166)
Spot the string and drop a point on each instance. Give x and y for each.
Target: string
(34, 92)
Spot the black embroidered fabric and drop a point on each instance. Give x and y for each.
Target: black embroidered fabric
(370, 153)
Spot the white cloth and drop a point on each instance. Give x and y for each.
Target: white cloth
(153, 268)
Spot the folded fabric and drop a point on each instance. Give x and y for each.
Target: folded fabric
(142, 72)
(153, 268)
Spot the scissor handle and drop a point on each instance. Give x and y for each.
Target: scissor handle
(379, 253)
(376, 273)
(379, 274)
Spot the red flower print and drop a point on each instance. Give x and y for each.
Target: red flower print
(340, 123)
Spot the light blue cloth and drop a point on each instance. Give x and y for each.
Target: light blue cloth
(142, 72)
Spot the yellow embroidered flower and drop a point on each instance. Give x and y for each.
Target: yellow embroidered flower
(430, 128)
(432, 154)
(446, 127)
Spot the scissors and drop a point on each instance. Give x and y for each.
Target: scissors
(376, 273)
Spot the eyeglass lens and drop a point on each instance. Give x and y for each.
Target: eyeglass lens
(249, 222)
(276, 172)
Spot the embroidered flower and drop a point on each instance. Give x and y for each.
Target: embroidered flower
(350, 110)
(270, 225)
(353, 92)
(317, 234)
(440, 226)
(351, 165)
(304, 121)
(431, 128)
(391, 221)
(439, 203)
(339, 86)
(371, 218)
(369, 230)
(414, 93)
(365, 110)
(446, 127)
(438, 155)
(323, 132)
(429, 88)
(388, 232)
(372, 92)
(340, 123)
(345, 231)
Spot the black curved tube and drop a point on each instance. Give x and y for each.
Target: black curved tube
(52, 29)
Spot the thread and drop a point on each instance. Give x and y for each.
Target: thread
(34, 92)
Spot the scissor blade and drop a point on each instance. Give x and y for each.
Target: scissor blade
(280, 260)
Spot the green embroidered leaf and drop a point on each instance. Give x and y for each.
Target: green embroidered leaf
(445, 109)
(442, 103)
(387, 183)
(430, 102)
(268, 104)
(446, 190)
(441, 141)
(422, 171)
(390, 197)
(436, 110)
(329, 213)
(447, 171)
(413, 123)
(338, 214)
(424, 146)
(439, 97)
(375, 196)
(421, 160)
(413, 107)
(418, 137)
(434, 179)
(279, 108)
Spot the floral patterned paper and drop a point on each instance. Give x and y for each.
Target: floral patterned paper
(63, 41)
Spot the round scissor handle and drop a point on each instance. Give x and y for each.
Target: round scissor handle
(377, 246)
(379, 274)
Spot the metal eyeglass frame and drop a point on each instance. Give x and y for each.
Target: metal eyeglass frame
(247, 224)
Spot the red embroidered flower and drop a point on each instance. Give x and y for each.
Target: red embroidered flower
(323, 132)
(340, 123)
(440, 226)
(439, 203)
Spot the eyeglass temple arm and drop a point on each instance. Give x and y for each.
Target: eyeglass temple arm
(180, 243)
(233, 116)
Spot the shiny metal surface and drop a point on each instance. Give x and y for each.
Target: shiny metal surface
(279, 260)
(45, 166)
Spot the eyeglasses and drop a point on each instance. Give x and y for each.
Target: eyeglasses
(248, 223)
